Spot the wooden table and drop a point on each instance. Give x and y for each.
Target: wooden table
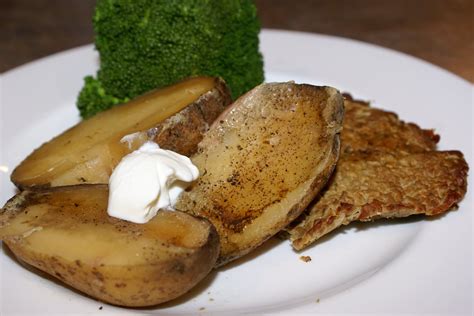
(439, 31)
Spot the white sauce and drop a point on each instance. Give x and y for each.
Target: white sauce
(146, 180)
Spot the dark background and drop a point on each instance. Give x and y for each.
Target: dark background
(439, 31)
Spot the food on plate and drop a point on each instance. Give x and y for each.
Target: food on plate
(263, 161)
(274, 160)
(174, 117)
(387, 169)
(368, 186)
(367, 129)
(145, 44)
(66, 232)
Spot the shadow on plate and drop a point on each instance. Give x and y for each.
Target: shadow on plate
(364, 226)
(265, 247)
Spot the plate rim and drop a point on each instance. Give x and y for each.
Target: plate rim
(263, 31)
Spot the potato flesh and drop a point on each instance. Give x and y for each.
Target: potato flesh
(68, 234)
(89, 151)
(263, 161)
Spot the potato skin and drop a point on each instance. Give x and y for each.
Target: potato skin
(137, 286)
(173, 269)
(183, 131)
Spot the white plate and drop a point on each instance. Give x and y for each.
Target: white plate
(409, 266)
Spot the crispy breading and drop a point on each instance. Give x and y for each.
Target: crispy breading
(384, 185)
(366, 129)
(387, 169)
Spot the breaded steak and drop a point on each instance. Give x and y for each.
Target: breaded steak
(387, 169)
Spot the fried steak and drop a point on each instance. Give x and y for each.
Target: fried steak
(387, 169)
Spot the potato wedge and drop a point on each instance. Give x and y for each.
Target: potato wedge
(175, 117)
(263, 161)
(66, 232)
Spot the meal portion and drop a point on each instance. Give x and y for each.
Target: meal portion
(66, 232)
(387, 169)
(136, 204)
(263, 161)
(271, 161)
(175, 117)
(260, 164)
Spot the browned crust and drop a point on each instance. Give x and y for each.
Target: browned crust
(385, 185)
(366, 129)
(387, 169)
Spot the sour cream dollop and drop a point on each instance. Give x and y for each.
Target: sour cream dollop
(146, 180)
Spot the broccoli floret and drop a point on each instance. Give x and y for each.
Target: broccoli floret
(146, 44)
(93, 98)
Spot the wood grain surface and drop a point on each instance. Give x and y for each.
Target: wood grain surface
(438, 31)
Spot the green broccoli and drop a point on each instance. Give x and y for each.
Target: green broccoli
(146, 44)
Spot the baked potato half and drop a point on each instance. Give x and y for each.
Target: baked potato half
(263, 161)
(66, 232)
(175, 117)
